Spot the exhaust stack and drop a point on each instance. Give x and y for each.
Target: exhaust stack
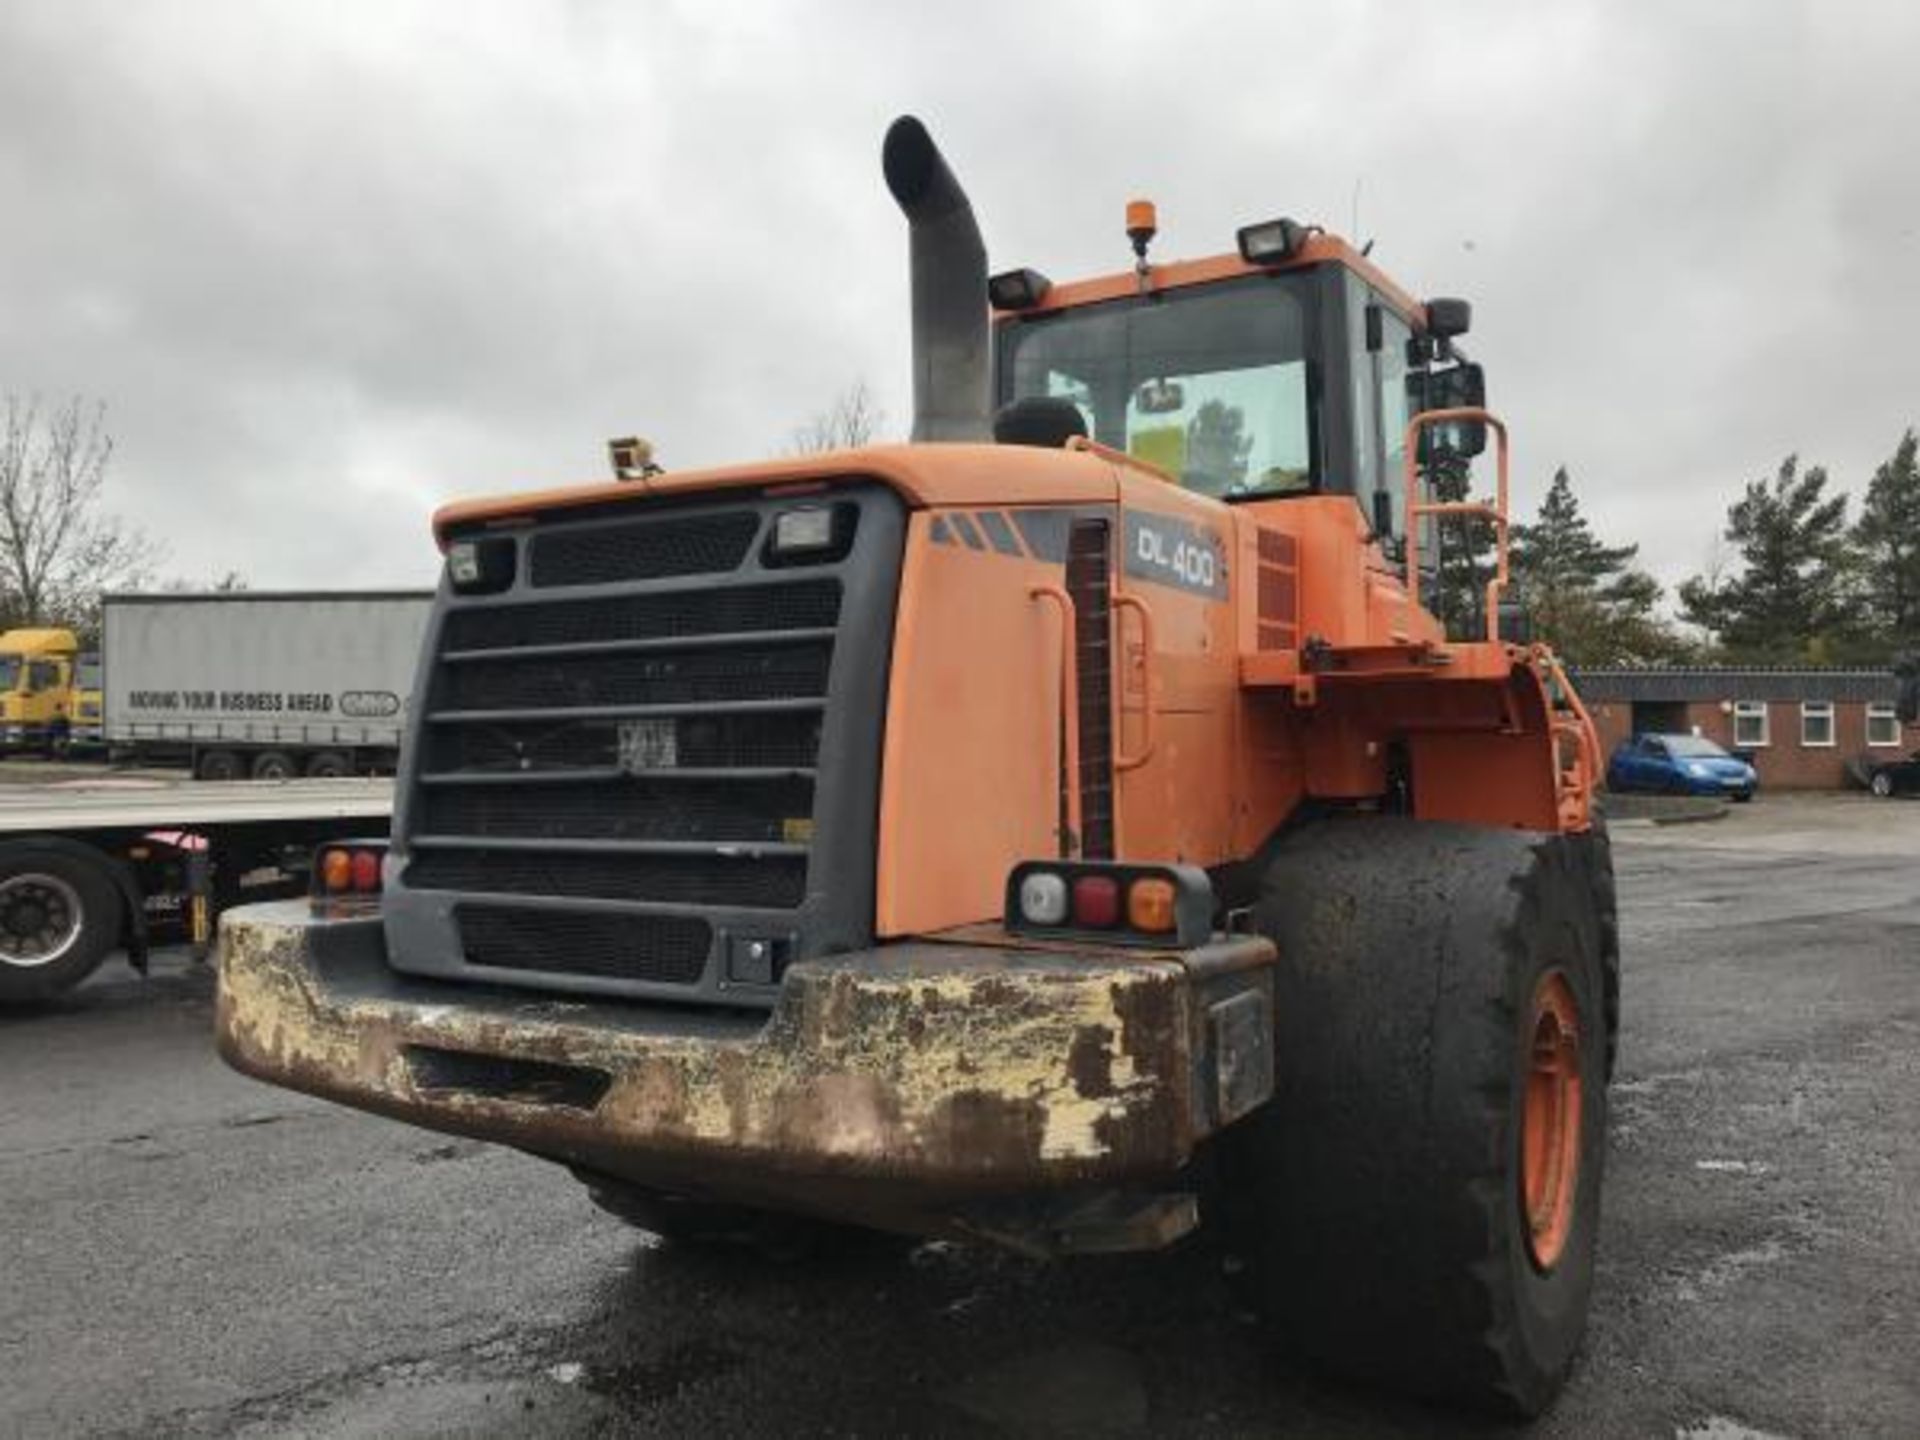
(949, 270)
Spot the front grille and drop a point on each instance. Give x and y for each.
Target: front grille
(649, 549)
(699, 744)
(666, 949)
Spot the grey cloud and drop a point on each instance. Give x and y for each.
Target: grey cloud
(332, 265)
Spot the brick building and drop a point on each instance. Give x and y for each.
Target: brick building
(1798, 726)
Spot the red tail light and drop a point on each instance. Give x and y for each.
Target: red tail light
(1096, 902)
(347, 870)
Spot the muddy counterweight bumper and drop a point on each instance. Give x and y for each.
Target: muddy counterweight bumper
(895, 1086)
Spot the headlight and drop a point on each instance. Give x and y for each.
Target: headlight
(1698, 772)
(481, 567)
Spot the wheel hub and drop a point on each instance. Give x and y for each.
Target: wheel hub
(1551, 1130)
(39, 919)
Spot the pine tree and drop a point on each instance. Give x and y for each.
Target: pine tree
(1462, 557)
(1585, 598)
(1791, 600)
(1886, 544)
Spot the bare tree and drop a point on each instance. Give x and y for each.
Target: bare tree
(850, 421)
(58, 550)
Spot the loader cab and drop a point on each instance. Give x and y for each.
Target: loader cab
(1245, 382)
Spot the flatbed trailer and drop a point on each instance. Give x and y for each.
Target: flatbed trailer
(91, 866)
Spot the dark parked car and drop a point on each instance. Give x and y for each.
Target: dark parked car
(1680, 765)
(1892, 777)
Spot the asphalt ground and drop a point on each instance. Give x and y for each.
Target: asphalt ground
(183, 1251)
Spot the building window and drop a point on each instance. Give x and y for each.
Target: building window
(1883, 726)
(1816, 723)
(1749, 724)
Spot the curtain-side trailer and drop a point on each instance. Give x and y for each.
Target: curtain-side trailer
(262, 684)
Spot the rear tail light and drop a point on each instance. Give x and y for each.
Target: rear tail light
(1165, 905)
(1096, 902)
(347, 870)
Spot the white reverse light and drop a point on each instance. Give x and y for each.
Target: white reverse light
(463, 562)
(1043, 899)
(799, 532)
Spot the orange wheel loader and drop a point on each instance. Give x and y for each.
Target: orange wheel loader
(1059, 831)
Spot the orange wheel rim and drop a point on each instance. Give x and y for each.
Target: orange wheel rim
(1550, 1134)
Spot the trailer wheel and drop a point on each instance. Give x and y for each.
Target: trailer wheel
(329, 765)
(701, 1224)
(1418, 1205)
(59, 918)
(219, 765)
(274, 765)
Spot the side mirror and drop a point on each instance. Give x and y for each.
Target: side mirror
(1459, 387)
(1449, 319)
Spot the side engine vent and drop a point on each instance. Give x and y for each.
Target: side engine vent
(1090, 584)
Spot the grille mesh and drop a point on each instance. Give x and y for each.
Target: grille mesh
(665, 949)
(773, 882)
(763, 810)
(772, 672)
(804, 605)
(648, 549)
(701, 741)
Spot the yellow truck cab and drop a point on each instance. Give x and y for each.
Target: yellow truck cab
(36, 688)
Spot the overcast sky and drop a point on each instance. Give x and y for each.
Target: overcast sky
(330, 264)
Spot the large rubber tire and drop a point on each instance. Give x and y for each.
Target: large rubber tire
(1597, 854)
(1881, 784)
(60, 916)
(701, 1224)
(1380, 1201)
(329, 764)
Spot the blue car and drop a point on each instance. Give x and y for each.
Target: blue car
(1680, 765)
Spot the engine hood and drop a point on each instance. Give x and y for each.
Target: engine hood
(925, 476)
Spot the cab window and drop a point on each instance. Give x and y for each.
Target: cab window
(1377, 343)
(43, 675)
(1211, 384)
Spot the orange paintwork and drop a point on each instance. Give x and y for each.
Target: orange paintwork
(970, 769)
(1176, 274)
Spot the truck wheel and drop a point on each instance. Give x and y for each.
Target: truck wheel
(59, 918)
(1419, 1203)
(1881, 784)
(274, 765)
(700, 1224)
(219, 765)
(329, 765)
